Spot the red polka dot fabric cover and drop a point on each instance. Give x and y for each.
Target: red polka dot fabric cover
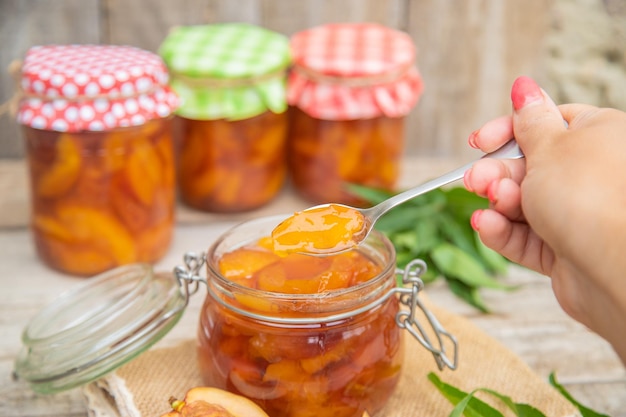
(353, 71)
(72, 88)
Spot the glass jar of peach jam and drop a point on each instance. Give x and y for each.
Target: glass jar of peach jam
(97, 127)
(349, 91)
(232, 123)
(303, 335)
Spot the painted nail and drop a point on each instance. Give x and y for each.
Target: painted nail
(466, 180)
(492, 190)
(475, 219)
(472, 139)
(525, 91)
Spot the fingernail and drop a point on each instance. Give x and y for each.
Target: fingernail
(475, 219)
(472, 139)
(525, 91)
(492, 191)
(466, 180)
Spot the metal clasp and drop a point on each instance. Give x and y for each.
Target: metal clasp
(188, 276)
(406, 318)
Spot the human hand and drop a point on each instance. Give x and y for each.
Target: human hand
(561, 211)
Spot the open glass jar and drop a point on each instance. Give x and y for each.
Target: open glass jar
(333, 353)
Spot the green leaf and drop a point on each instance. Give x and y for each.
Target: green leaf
(470, 406)
(459, 234)
(372, 195)
(584, 411)
(407, 240)
(473, 407)
(405, 217)
(469, 294)
(520, 409)
(428, 237)
(463, 203)
(454, 262)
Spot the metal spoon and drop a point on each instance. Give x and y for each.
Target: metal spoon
(509, 150)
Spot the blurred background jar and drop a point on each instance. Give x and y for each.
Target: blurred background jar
(232, 123)
(97, 127)
(349, 91)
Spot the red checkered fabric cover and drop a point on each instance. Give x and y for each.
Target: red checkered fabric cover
(353, 71)
(70, 88)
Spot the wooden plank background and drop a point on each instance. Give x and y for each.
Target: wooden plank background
(469, 51)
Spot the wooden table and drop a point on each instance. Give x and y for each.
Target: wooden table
(528, 320)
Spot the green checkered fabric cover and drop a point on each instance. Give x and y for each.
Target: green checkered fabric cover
(227, 71)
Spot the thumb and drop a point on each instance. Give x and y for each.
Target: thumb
(536, 119)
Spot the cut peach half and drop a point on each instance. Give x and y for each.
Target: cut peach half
(213, 402)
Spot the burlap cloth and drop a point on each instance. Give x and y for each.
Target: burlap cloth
(142, 387)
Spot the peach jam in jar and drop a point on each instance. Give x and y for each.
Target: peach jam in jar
(302, 335)
(97, 127)
(350, 88)
(233, 120)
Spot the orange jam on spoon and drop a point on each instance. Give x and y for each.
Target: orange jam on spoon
(323, 229)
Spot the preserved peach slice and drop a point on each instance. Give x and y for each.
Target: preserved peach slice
(193, 152)
(256, 303)
(165, 152)
(323, 229)
(284, 370)
(196, 189)
(143, 172)
(335, 354)
(229, 187)
(266, 242)
(53, 228)
(243, 263)
(213, 402)
(94, 227)
(64, 172)
(76, 259)
(116, 147)
(253, 388)
(274, 278)
(153, 242)
(353, 267)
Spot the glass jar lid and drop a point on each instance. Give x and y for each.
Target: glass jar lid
(89, 331)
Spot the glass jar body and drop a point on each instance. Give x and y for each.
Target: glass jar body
(226, 166)
(334, 358)
(325, 155)
(101, 199)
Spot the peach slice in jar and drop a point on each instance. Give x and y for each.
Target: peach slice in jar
(241, 264)
(65, 170)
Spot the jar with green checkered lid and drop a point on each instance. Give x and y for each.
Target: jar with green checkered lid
(231, 78)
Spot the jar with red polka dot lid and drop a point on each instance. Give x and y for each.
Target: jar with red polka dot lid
(349, 91)
(97, 128)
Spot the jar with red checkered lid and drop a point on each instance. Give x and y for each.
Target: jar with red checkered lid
(349, 90)
(96, 122)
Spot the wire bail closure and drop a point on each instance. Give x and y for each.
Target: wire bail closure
(188, 277)
(406, 319)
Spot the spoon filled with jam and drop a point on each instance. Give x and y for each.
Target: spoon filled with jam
(332, 228)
